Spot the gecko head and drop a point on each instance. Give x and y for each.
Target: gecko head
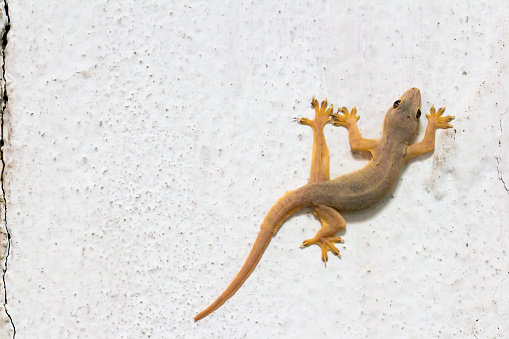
(402, 119)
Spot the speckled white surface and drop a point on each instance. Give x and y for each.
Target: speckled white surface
(6, 328)
(146, 141)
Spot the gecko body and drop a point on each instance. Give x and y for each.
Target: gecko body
(351, 192)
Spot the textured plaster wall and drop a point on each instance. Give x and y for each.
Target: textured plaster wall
(6, 328)
(144, 141)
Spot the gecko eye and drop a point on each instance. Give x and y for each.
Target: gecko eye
(418, 113)
(396, 104)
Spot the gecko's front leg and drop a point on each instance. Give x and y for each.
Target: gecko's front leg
(349, 120)
(435, 120)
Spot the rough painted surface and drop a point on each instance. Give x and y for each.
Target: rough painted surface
(145, 143)
(7, 329)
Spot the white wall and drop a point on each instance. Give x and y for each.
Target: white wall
(6, 327)
(146, 140)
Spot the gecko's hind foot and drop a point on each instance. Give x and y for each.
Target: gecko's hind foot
(326, 244)
(322, 114)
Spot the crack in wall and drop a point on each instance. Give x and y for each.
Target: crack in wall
(4, 100)
(500, 177)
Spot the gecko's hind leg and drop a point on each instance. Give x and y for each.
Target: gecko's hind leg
(320, 157)
(332, 222)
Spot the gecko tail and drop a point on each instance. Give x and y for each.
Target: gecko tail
(289, 204)
(259, 246)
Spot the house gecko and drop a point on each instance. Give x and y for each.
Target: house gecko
(351, 192)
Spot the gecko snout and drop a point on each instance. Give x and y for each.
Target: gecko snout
(413, 95)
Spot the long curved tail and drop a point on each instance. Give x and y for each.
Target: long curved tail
(289, 204)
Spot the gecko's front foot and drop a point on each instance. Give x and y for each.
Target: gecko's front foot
(322, 114)
(437, 120)
(345, 118)
(326, 244)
